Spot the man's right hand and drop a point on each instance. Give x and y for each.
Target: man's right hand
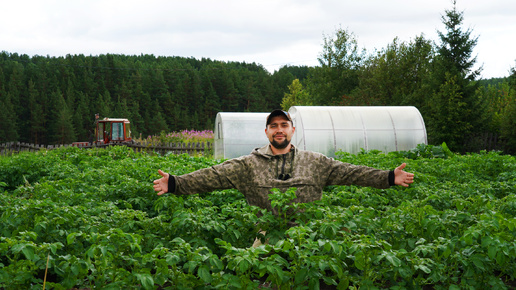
(161, 185)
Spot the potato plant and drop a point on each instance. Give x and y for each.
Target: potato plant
(94, 215)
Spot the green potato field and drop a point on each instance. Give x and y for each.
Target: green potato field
(89, 219)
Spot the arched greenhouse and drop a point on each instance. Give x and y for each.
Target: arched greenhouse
(237, 134)
(350, 129)
(325, 130)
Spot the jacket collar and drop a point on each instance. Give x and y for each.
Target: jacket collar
(266, 151)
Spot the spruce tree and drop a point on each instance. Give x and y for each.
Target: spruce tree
(508, 122)
(454, 66)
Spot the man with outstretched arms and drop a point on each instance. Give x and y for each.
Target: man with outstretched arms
(280, 165)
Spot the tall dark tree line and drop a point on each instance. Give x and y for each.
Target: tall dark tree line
(51, 100)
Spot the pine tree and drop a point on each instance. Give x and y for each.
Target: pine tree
(37, 117)
(83, 119)
(137, 123)
(8, 119)
(211, 102)
(105, 105)
(121, 110)
(17, 101)
(62, 127)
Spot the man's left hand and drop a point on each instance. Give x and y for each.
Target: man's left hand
(401, 177)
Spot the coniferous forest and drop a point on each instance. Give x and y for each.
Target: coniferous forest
(53, 100)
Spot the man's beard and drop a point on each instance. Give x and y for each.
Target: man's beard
(280, 145)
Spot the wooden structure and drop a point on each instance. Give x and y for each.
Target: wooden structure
(168, 148)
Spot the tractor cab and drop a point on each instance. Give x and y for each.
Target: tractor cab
(112, 131)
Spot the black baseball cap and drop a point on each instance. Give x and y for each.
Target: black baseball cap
(276, 113)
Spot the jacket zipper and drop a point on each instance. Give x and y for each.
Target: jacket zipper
(283, 165)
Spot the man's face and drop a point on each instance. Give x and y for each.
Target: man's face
(279, 131)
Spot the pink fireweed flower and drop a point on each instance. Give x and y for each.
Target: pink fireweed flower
(185, 136)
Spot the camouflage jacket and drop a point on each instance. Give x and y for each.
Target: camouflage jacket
(256, 174)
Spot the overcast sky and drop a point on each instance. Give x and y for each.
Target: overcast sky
(272, 33)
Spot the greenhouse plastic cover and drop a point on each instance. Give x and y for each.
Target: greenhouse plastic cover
(237, 134)
(350, 129)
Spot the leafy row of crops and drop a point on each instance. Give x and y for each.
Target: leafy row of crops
(93, 218)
